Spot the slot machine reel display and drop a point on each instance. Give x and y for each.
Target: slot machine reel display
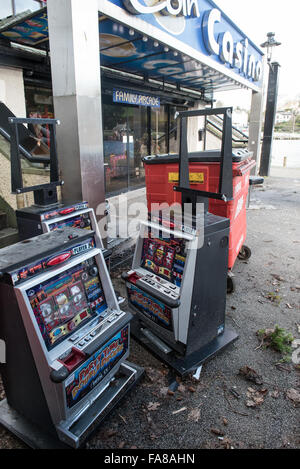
(36, 220)
(177, 291)
(67, 339)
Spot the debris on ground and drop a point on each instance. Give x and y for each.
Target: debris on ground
(275, 394)
(194, 415)
(178, 411)
(277, 339)
(274, 297)
(255, 397)
(294, 396)
(152, 406)
(250, 375)
(217, 431)
(278, 277)
(192, 389)
(235, 393)
(154, 375)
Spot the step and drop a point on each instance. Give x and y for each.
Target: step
(8, 236)
(3, 220)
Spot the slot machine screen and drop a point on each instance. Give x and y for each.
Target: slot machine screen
(67, 301)
(165, 258)
(80, 221)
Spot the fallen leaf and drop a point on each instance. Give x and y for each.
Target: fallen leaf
(153, 436)
(164, 390)
(289, 306)
(192, 389)
(121, 445)
(153, 406)
(170, 393)
(218, 432)
(274, 394)
(154, 375)
(278, 277)
(294, 395)
(225, 421)
(194, 415)
(181, 388)
(255, 398)
(110, 433)
(250, 375)
(179, 398)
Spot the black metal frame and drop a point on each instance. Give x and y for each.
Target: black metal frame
(225, 184)
(16, 169)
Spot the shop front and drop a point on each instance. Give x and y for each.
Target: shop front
(156, 57)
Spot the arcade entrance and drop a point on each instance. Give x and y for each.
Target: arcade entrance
(129, 134)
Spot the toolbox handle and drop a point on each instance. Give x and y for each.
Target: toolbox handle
(225, 183)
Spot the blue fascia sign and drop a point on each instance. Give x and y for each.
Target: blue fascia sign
(204, 28)
(128, 97)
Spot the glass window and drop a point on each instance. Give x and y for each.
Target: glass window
(159, 130)
(174, 129)
(125, 141)
(115, 147)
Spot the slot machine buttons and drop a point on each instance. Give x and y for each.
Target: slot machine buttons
(87, 339)
(82, 343)
(73, 339)
(92, 334)
(93, 271)
(66, 211)
(59, 259)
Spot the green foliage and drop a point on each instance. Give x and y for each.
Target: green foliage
(278, 339)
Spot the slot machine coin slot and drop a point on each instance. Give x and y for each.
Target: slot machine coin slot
(74, 358)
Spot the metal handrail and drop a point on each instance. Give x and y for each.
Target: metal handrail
(234, 128)
(235, 140)
(25, 153)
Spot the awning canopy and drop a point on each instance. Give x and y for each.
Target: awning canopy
(131, 45)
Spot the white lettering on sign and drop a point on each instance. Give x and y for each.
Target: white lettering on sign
(234, 54)
(238, 187)
(177, 7)
(121, 96)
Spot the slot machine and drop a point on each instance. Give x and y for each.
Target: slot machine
(177, 285)
(67, 340)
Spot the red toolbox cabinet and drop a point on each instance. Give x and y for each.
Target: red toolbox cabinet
(162, 173)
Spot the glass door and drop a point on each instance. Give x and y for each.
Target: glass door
(137, 145)
(115, 135)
